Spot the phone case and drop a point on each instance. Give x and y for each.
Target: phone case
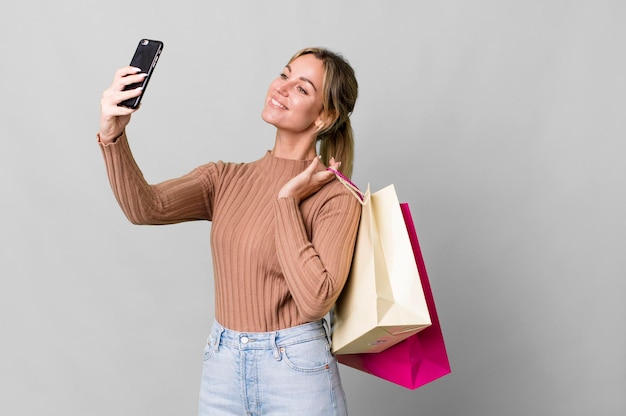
(146, 57)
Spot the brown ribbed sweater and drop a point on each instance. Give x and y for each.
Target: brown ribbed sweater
(276, 263)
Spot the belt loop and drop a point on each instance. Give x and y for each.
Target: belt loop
(328, 326)
(218, 338)
(275, 348)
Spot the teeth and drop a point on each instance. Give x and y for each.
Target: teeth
(276, 103)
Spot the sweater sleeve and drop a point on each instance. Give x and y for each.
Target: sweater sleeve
(183, 199)
(316, 270)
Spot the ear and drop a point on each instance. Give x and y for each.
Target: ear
(325, 120)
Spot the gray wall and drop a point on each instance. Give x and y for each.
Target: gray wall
(500, 122)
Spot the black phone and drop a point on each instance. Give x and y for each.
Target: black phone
(146, 57)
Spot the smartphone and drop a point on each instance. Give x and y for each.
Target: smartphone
(146, 57)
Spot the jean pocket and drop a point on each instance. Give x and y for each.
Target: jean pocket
(308, 357)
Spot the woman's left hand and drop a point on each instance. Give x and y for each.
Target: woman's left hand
(309, 180)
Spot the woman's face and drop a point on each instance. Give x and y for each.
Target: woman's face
(294, 99)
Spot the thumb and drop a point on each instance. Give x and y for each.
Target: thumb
(313, 167)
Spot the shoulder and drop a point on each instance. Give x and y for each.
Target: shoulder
(336, 195)
(223, 168)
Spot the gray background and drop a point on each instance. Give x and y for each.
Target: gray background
(500, 122)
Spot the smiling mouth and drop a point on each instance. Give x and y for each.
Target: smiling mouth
(276, 104)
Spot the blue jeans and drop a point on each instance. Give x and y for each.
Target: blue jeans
(284, 373)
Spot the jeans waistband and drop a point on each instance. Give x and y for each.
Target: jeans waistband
(268, 340)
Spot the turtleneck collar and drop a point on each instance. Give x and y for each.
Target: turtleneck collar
(285, 166)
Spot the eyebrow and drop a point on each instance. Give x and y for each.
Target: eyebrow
(303, 78)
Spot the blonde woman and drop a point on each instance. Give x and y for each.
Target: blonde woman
(282, 237)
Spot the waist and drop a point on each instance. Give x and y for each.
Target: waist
(268, 340)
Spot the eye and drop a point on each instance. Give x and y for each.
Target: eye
(302, 90)
(283, 76)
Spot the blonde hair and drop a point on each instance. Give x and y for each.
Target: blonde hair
(340, 91)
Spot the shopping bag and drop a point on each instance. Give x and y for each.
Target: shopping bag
(420, 358)
(383, 302)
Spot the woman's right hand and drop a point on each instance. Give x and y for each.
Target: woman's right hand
(115, 118)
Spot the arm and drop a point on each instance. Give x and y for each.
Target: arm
(183, 199)
(316, 270)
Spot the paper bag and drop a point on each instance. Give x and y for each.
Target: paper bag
(420, 358)
(383, 301)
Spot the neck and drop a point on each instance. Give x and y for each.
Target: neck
(294, 146)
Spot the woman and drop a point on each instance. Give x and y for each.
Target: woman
(282, 238)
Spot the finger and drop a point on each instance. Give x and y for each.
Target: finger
(117, 111)
(125, 95)
(313, 166)
(333, 164)
(110, 103)
(126, 76)
(126, 70)
(111, 96)
(325, 176)
(124, 82)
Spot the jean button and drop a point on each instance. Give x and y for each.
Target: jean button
(244, 340)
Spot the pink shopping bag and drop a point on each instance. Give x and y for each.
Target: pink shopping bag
(422, 357)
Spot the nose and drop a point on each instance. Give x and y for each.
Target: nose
(282, 89)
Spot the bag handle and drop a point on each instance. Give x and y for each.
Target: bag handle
(354, 190)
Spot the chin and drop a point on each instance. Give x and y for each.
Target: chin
(268, 119)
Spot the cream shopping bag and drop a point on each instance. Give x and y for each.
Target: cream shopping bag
(383, 301)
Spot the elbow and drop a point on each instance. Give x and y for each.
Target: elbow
(313, 304)
(313, 315)
(316, 308)
(143, 214)
(135, 219)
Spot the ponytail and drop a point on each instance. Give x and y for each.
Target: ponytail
(340, 145)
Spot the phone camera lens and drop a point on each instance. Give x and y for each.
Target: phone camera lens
(144, 42)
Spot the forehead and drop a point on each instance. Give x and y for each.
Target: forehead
(308, 66)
